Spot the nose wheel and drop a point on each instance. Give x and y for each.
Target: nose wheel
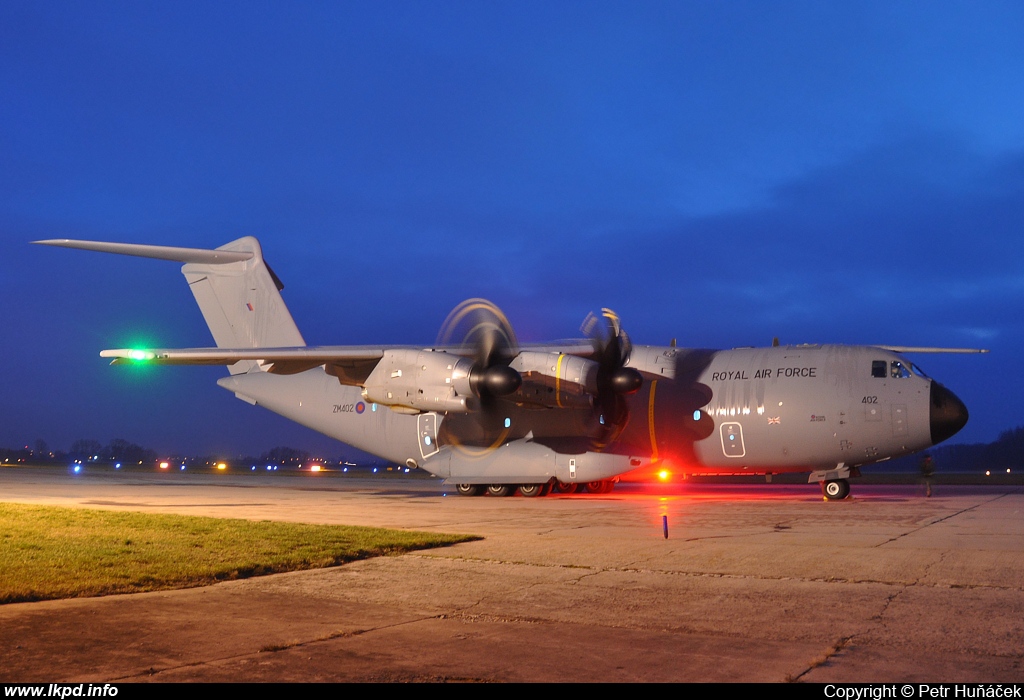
(835, 489)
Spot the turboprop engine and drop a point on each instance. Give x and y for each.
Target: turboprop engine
(415, 381)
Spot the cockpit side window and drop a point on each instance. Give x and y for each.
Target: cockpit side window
(897, 370)
(878, 368)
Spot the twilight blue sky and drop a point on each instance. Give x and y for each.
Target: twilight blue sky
(715, 172)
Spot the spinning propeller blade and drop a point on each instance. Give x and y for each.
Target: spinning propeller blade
(612, 348)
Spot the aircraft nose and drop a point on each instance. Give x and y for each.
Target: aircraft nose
(948, 413)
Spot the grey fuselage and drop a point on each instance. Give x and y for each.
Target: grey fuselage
(747, 410)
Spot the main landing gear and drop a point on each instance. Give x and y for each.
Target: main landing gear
(600, 486)
(534, 490)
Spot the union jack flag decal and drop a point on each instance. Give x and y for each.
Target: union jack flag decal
(774, 421)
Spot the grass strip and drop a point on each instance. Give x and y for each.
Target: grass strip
(49, 552)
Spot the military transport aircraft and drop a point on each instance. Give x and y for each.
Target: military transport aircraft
(490, 415)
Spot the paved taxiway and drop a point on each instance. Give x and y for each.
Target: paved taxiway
(755, 583)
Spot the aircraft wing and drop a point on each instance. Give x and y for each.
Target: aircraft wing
(911, 349)
(352, 364)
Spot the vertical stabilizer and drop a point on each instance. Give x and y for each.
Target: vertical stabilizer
(239, 295)
(241, 302)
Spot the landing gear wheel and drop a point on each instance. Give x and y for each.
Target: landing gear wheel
(469, 489)
(501, 489)
(600, 486)
(562, 487)
(836, 489)
(532, 490)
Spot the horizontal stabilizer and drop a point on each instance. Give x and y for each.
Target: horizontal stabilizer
(160, 252)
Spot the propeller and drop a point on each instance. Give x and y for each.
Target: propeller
(480, 327)
(615, 381)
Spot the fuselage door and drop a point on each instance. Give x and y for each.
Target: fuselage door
(426, 428)
(732, 440)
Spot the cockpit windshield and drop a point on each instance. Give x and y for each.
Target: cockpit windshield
(895, 369)
(898, 370)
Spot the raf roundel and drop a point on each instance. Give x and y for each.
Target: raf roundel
(360, 407)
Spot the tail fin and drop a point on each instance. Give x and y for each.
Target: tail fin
(237, 292)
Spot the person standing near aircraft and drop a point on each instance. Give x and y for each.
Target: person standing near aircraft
(927, 471)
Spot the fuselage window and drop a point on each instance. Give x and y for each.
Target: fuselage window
(897, 370)
(878, 369)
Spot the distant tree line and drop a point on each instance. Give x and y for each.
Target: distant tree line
(117, 450)
(1006, 452)
(120, 450)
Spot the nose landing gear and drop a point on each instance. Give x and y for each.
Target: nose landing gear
(835, 489)
(835, 483)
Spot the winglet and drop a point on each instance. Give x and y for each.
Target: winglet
(160, 252)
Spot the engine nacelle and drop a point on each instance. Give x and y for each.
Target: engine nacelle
(422, 380)
(555, 380)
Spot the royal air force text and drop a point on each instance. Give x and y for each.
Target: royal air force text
(766, 373)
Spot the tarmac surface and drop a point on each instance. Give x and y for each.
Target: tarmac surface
(754, 583)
